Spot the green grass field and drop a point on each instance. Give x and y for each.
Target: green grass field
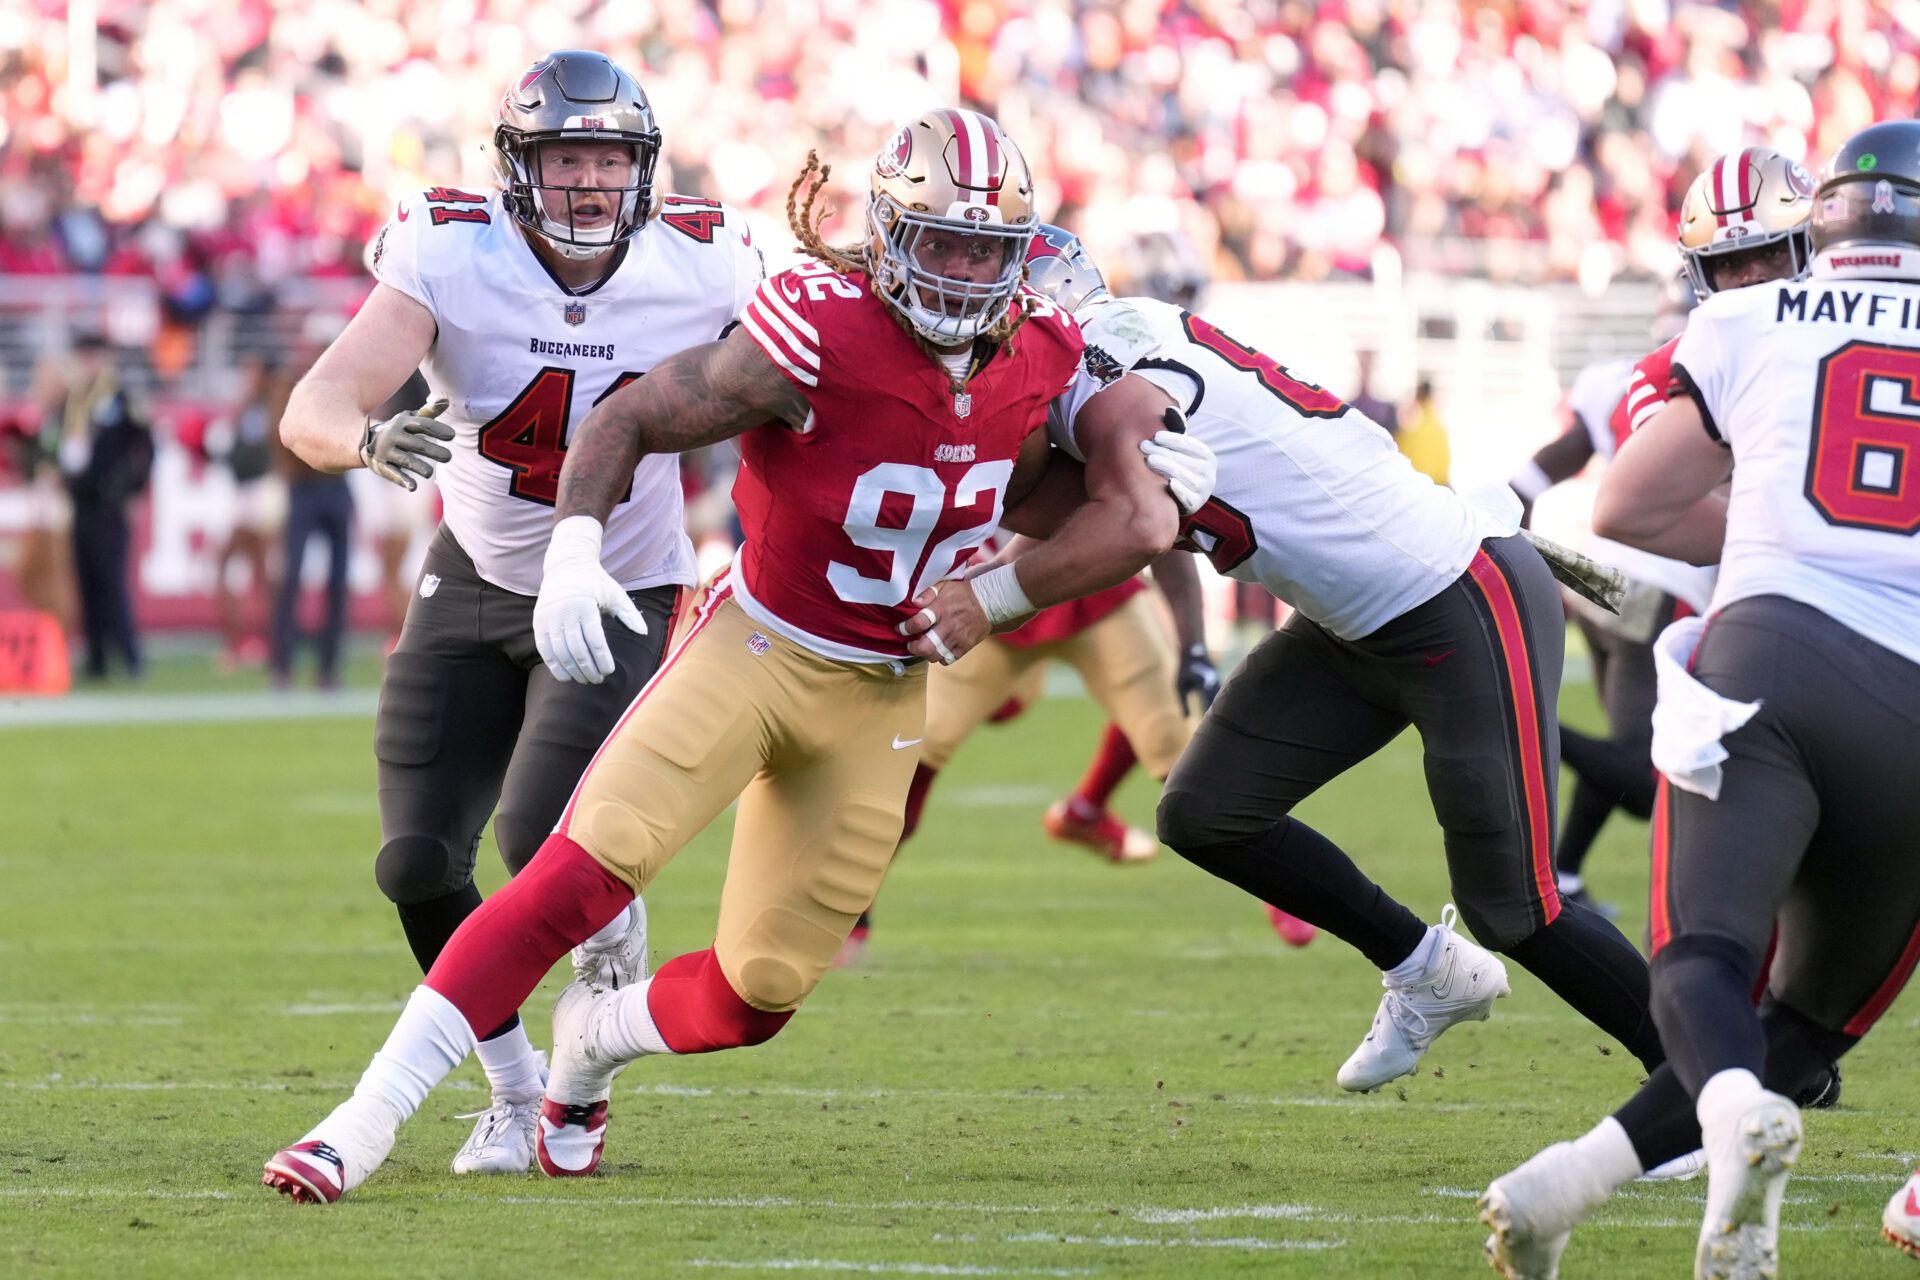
(1046, 1067)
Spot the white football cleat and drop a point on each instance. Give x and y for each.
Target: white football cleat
(1749, 1151)
(617, 964)
(571, 1131)
(1678, 1169)
(336, 1155)
(502, 1140)
(1460, 985)
(1900, 1224)
(1534, 1209)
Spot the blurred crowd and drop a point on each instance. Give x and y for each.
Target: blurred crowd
(233, 144)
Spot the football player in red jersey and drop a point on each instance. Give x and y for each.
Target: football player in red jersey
(889, 401)
(1743, 222)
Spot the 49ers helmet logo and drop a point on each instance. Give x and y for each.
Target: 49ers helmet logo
(974, 213)
(893, 157)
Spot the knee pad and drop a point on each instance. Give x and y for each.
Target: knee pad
(415, 869)
(519, 839)
(1469, 795)
(1186, 820)
(1690, 956)
(697, 1010)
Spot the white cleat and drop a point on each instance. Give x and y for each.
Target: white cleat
(502, 1138)
(1900, 1224)
(1459, 986)
(337, 1154)
(1748, 1155)
(1534, 1209)
(1678, 1169)
(571, 1132)
(621, 963)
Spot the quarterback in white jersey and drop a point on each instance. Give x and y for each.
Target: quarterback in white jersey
(1786, 814)
(1411, 606)
(525, 307)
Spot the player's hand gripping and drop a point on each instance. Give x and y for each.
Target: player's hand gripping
(403, 447)
(950, 622)
(1185, 463)
(1197, 681)
(574, 592)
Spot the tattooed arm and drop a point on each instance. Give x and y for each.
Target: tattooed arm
(696, 397)
(699, 396)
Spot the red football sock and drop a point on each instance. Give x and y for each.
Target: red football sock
(1109, 768)
(917, 798)
(500, 953)
(696, 1010)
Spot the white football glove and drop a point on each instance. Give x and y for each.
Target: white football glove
(403, 447)
(574, 592)
(1184, 462)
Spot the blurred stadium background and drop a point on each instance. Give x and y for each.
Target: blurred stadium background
(1479, 194)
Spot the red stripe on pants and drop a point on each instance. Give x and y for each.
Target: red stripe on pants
(1860, 1023)
(1505, 608)
(1661, 923)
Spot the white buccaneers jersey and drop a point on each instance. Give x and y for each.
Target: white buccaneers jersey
(1815, 387)
(1597, 391)
(524, 360)
(1313, 500)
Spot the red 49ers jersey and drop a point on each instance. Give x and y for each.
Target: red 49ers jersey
(1646, 392)
(895, 481)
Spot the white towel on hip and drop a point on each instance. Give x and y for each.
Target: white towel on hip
(1689, 720)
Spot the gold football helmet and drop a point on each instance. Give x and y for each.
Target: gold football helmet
(949, 220)
(1745, 200)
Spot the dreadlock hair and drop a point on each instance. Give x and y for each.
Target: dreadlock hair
(855, 259)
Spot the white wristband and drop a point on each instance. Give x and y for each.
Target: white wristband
(1530, 481)
(998, 591)
(575, 538)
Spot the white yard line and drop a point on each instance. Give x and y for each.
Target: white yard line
(182, 708)
(1150, 1215)
(880, 1268)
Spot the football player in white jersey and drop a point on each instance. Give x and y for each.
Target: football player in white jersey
(526, 307)
(1783, 718)
(1743, 222)
(1412, 605)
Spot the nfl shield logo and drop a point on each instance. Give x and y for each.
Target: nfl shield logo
(758, 645)
(574, 313)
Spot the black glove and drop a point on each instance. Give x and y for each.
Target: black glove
(1198, 678)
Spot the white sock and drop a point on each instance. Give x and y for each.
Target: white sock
(1571, 882)
(1730, 1091)
(1421, 958)
(625, 1028)
(611, 932)
(428, 1042)
(513, 1068)
(1608, 1152)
